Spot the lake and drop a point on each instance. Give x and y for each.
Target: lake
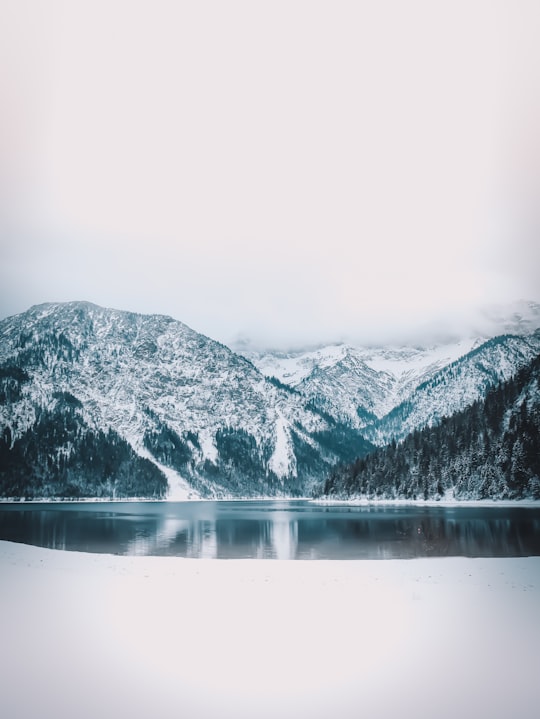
(275, 529)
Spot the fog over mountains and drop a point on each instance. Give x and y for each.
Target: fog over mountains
(389, 391)
(99, 402)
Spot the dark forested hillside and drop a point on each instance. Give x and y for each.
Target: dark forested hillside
(489, 450)
(60, 456)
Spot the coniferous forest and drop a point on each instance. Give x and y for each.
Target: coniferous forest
(489, 450)
(60, 456)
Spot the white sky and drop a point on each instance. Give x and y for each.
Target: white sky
(293, 172)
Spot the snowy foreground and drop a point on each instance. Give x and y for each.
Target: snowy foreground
(87, 636)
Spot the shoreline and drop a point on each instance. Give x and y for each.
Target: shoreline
(355, 502)
(109, 635)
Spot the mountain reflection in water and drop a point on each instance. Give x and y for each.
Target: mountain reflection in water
(275, 529)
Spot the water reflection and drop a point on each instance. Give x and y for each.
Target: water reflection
(151, 540)
(280, 530)
(284, 536)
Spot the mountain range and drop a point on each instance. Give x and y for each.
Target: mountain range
(387, 392)
(490, 449)
(99, 402)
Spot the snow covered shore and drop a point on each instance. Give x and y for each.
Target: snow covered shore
(87, 635)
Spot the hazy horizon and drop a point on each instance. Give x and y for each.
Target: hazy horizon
(487, 321)
(294, 173)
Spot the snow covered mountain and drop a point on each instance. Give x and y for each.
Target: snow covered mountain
(98, 402)
(359, 385)
(76, 376)
(386, 392)
(456, 386)
(491, 449)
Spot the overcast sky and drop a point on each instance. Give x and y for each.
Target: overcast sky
(292, 172)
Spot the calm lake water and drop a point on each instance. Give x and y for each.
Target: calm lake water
(275, 529)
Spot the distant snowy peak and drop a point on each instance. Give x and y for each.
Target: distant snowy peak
(403, 360)
(519, 318)
(293, 367)
(386, 392)
(350, 382)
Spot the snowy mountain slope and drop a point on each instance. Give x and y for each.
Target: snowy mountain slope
(386, 392)
(359, 385)
(456, 386)
(188, 404)
(490, 449)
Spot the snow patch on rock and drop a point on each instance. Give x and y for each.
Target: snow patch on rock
(281, 460)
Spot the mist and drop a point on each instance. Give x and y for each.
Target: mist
(292, 174)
